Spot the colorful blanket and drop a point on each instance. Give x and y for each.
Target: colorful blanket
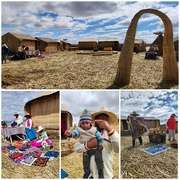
(21, 152)
(155, 149)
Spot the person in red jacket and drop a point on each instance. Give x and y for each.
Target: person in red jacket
(171, 124)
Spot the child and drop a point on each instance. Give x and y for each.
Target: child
(42, 139)
(85, 132)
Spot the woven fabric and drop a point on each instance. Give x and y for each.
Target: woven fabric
(155, 149)
(40, 161)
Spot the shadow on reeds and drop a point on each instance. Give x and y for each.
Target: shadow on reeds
(165, 85)
(116, 86)
(161, 85)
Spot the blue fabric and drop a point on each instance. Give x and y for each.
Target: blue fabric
(63, 174)
(31, 134)
(51, 154)
(13, 124)
(155, 149)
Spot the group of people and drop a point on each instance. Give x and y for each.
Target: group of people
(98, 141)
(37, 138)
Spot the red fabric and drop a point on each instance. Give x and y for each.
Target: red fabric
(63, 125)
(171, 123)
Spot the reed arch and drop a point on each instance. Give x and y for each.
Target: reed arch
(170, 66)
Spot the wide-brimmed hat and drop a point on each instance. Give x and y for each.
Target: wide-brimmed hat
(16, 113)
(112, 117)
(134, 114)
(40, 128)
(27, 114)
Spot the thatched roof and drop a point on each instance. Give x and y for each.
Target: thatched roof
(48, 40)
(139, 41)
(146, 118)
(176, 38)
(107, 39)
(46, 93)
(88, 40)
(22, 36)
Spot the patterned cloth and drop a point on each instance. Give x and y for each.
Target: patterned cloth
(40, 161)
(29, 155)
(138, 126)
(155, 149)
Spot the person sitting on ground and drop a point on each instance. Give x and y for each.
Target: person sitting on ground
(42, 139)
(85, 132)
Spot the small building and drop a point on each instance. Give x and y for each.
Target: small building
(108, 42)
(65, 45)
(87, 44)
(48, 45)
(139, 45)
(159, 42)
(44, 110)
(16, 41)
(176, 47)
(151, 122)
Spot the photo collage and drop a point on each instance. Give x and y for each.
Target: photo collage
(89, 89)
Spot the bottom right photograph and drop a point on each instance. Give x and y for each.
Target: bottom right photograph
(149, 134)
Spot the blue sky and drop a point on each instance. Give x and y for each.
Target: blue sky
(75, 21)
(93, 101)
(14, 101)
(158, 104)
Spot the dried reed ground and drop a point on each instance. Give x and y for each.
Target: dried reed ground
(69, 70)
(140, 165)
(12, 170)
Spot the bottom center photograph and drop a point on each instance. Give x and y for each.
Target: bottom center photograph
(90, 134)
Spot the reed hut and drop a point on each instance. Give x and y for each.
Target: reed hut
(48, 45)
(16, 41)
(139, 45)
(176, 47)
(151, 122)
(44, 110)
(87, 44)
(159, 42)
(108, 43)
(65, 45)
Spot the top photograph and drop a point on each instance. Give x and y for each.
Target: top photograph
(90, 45)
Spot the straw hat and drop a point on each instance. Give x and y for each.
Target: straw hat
(134, 114)
(27, 114)
(16, 113)
(40, 128)
(112, 117)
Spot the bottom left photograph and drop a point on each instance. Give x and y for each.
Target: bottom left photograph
(30, 134)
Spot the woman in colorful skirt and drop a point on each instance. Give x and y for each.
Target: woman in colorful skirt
(30, 132)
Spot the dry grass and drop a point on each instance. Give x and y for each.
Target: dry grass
(19, 171)
(138, 164)
(69, 70)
